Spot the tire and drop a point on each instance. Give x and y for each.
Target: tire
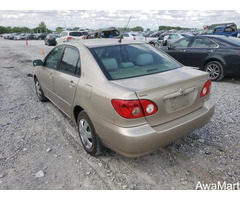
(90, 140)
(39, 91)
(215, 70)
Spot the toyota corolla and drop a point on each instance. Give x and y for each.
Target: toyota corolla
(124, 95)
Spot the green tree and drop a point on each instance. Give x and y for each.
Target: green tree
(75, 29)
(59, 29)
(3, 30)
(42, 26)
(137, 28)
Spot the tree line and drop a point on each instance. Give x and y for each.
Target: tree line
(42, 28)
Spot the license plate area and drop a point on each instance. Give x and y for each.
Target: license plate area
(179, 102)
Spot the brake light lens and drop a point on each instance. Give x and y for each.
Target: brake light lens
(69, 38)
(206, 88)
(84, 37)
(134, 38)
(131, 109)
(149, 108)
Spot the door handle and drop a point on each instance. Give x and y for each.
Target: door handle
(183, 50)
(209, 51)
(71, 83)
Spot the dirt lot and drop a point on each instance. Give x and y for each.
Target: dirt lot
(40, 147)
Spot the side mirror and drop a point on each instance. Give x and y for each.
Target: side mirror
(37, 62)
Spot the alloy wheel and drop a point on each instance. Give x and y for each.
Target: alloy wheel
(213, 70)
(85, 134)
(38, 89)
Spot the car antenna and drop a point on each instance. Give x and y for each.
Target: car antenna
(121, 36)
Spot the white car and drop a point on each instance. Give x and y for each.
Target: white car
(133, 36)
(66, 36)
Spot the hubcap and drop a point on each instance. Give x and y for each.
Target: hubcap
(213, 70)
(85, 133)
(38, 89)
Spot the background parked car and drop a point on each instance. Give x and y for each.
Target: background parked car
(30, 36)
(70, 35)
(111, 32)
(21, 36)
(218, 55)
(133, 36)
(170, 38)
(50, 39)
(153, 36)
(40, 36)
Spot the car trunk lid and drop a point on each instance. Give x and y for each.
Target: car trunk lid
(176, 93)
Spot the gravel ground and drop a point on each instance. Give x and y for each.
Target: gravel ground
(40, 147)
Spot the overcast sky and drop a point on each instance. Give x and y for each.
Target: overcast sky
(90, 18)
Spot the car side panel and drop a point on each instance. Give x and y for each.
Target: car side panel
(196, 57)
(232, 59)
(45, 77)
(64, 91)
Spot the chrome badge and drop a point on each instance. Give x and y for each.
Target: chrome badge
(182, 90)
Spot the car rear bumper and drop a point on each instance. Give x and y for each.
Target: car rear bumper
(140, 140)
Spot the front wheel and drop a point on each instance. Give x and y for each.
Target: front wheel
(215, 70)
(39, 91)
(90, 140)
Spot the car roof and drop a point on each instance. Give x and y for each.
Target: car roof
(213, 36)
(91, 43)
(71, 31)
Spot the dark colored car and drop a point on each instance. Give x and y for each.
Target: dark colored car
(104, 33)
(218, 55)
(50, 39)
(40, 36)
(30, 36)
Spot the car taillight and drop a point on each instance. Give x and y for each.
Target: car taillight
(69, 38)
(149, 108)
(134, 38)
(84, 37)
(131, 109)
(206, 88)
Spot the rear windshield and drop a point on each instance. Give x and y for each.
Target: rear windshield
(53, 36)
(75, 34)
(110, 34)
(128, 61)
(232, 40)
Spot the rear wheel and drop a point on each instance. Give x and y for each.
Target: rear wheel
(90, 140)
(215, 70)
